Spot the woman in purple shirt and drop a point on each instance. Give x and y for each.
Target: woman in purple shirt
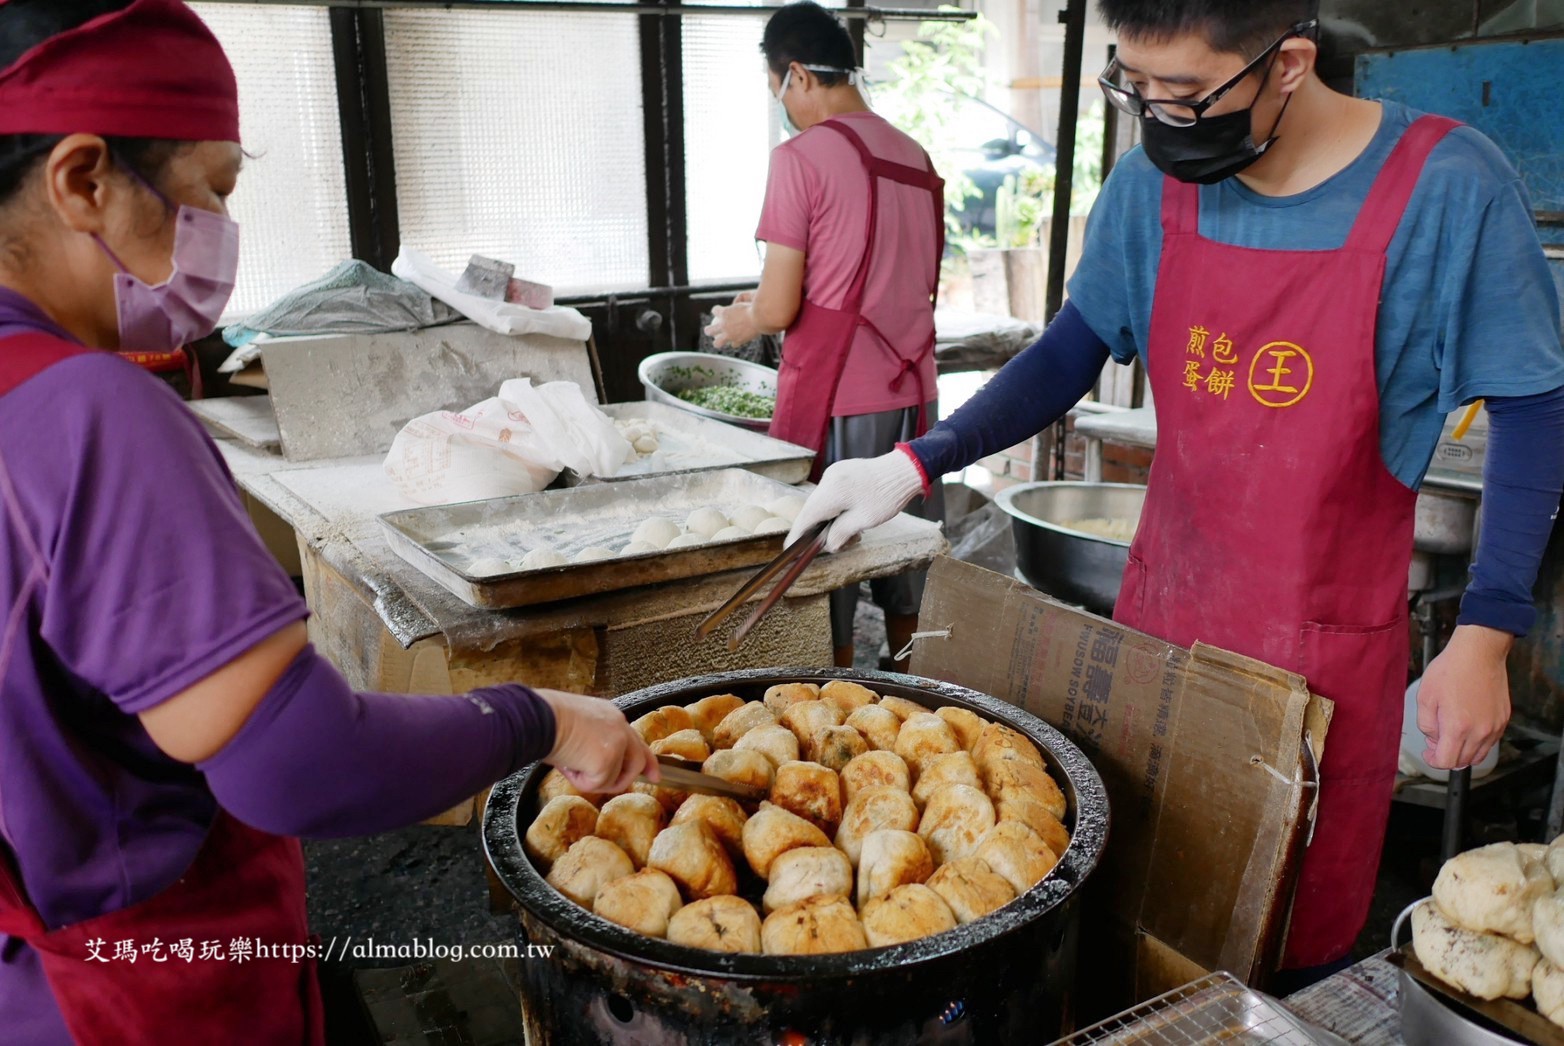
(165, 728)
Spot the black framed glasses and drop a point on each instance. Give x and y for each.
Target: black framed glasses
(1186, 113)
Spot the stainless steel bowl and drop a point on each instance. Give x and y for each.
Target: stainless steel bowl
(666, 374)
(1069, 564)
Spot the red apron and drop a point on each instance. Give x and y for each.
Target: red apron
(815, 351)
(243, 885)
(1272, 527)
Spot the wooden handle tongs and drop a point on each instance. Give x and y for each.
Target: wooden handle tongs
(794, 559)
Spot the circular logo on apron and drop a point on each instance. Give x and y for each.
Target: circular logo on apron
(1281, 375)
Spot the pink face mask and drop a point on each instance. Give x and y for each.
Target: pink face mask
(185, 307)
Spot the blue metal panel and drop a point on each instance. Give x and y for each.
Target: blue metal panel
(1509, 90)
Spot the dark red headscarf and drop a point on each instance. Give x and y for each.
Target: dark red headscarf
(151, 70)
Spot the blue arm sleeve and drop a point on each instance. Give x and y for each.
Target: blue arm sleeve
(1523, 478)
(1031, 392)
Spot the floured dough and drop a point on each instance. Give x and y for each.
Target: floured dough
(1492, 890)
(788, 506)
(1547, 984)
(749, 516)
(1483, 964)
(593, 554)
(773, 525)
(656, 531)
(541, 559)
(730, 534)
(639, 548)
(705, 522)
(489, 566)
(686, 541)
(646, 445)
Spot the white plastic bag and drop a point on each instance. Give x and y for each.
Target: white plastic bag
(498, 316)
(515, 443)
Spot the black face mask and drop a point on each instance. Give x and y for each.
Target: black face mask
(1210, 151)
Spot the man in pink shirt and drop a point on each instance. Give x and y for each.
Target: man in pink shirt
(854, 229)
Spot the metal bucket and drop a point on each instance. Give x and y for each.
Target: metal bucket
(1070, 565)
(1006, 978)
(666, 374)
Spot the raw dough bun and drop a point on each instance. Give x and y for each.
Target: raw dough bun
(872, 769)
(656, 531)
(686, 541)
(1492, 890)
(724, 817)
(593, 554)
(953, 768)
(741, 721)
(563, 821)
(1554, 861)
(662, 722)
(717, 924)
(638, 548)
(643, 902)
(787, 507)
(749, 516)
(705, 522)
(709, 711)
(902, 707)
(811, 791)
(805, 872)
(807, 718)
(646, 445)
(873, 810)
(1547, 923)
(555, 783)
(998, 743)
(847, 697)
(1011, 778)
(742, 768)
(772, 832)
(1482, 964)
(924, 736)
(489, 566)
(631, 821)
(774, 525)
(953, 822)
(730, 534)
(542, 558)
(818, 926)
(587, 867)
(686, 744)
(1547, 985)
(1017, 854)
(1024, 809)
(775, 742)
(890, 858)
(971, 888)
(879, 726)
(905, 914)
(835, 747)
(1534, 852)
(785, 695)
(967, 726)
(693, 858)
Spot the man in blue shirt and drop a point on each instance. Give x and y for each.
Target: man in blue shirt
(1313, 282)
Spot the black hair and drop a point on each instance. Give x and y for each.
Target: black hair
(808, 34)
(24, 24)
(1245, 27)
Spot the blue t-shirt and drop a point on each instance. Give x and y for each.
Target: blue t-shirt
(1469, 308)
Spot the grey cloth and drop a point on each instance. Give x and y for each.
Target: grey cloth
(869, 436)
(353, 298)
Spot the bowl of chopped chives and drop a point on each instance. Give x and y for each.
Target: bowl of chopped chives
(732, 390)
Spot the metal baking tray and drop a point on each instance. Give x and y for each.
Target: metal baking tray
(444, 541)
(691, 443)
(1462, 1015)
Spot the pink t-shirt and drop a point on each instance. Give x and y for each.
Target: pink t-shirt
(817, 201)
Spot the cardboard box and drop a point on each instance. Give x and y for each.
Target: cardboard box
(1209, 761)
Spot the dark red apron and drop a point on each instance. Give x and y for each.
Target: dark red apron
(815, 351)
(1272, 526)
(243, 885)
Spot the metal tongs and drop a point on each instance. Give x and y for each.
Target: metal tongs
(794, 559)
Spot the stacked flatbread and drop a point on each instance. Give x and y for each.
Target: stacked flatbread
(885, 822)
(1495, 925)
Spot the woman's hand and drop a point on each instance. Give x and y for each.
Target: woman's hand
(594, 746)
(734, 324)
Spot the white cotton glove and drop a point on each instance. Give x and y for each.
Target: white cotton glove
(858, 494)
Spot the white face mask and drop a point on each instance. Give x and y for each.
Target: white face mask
(854, 77)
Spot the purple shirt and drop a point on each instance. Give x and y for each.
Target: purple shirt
(129, 571)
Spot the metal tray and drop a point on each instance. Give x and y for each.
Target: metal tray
(1466, 1018)
(692, 443)
(444, 541)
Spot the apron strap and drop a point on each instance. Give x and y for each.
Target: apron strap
(1180, 208)
(1387, 200)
